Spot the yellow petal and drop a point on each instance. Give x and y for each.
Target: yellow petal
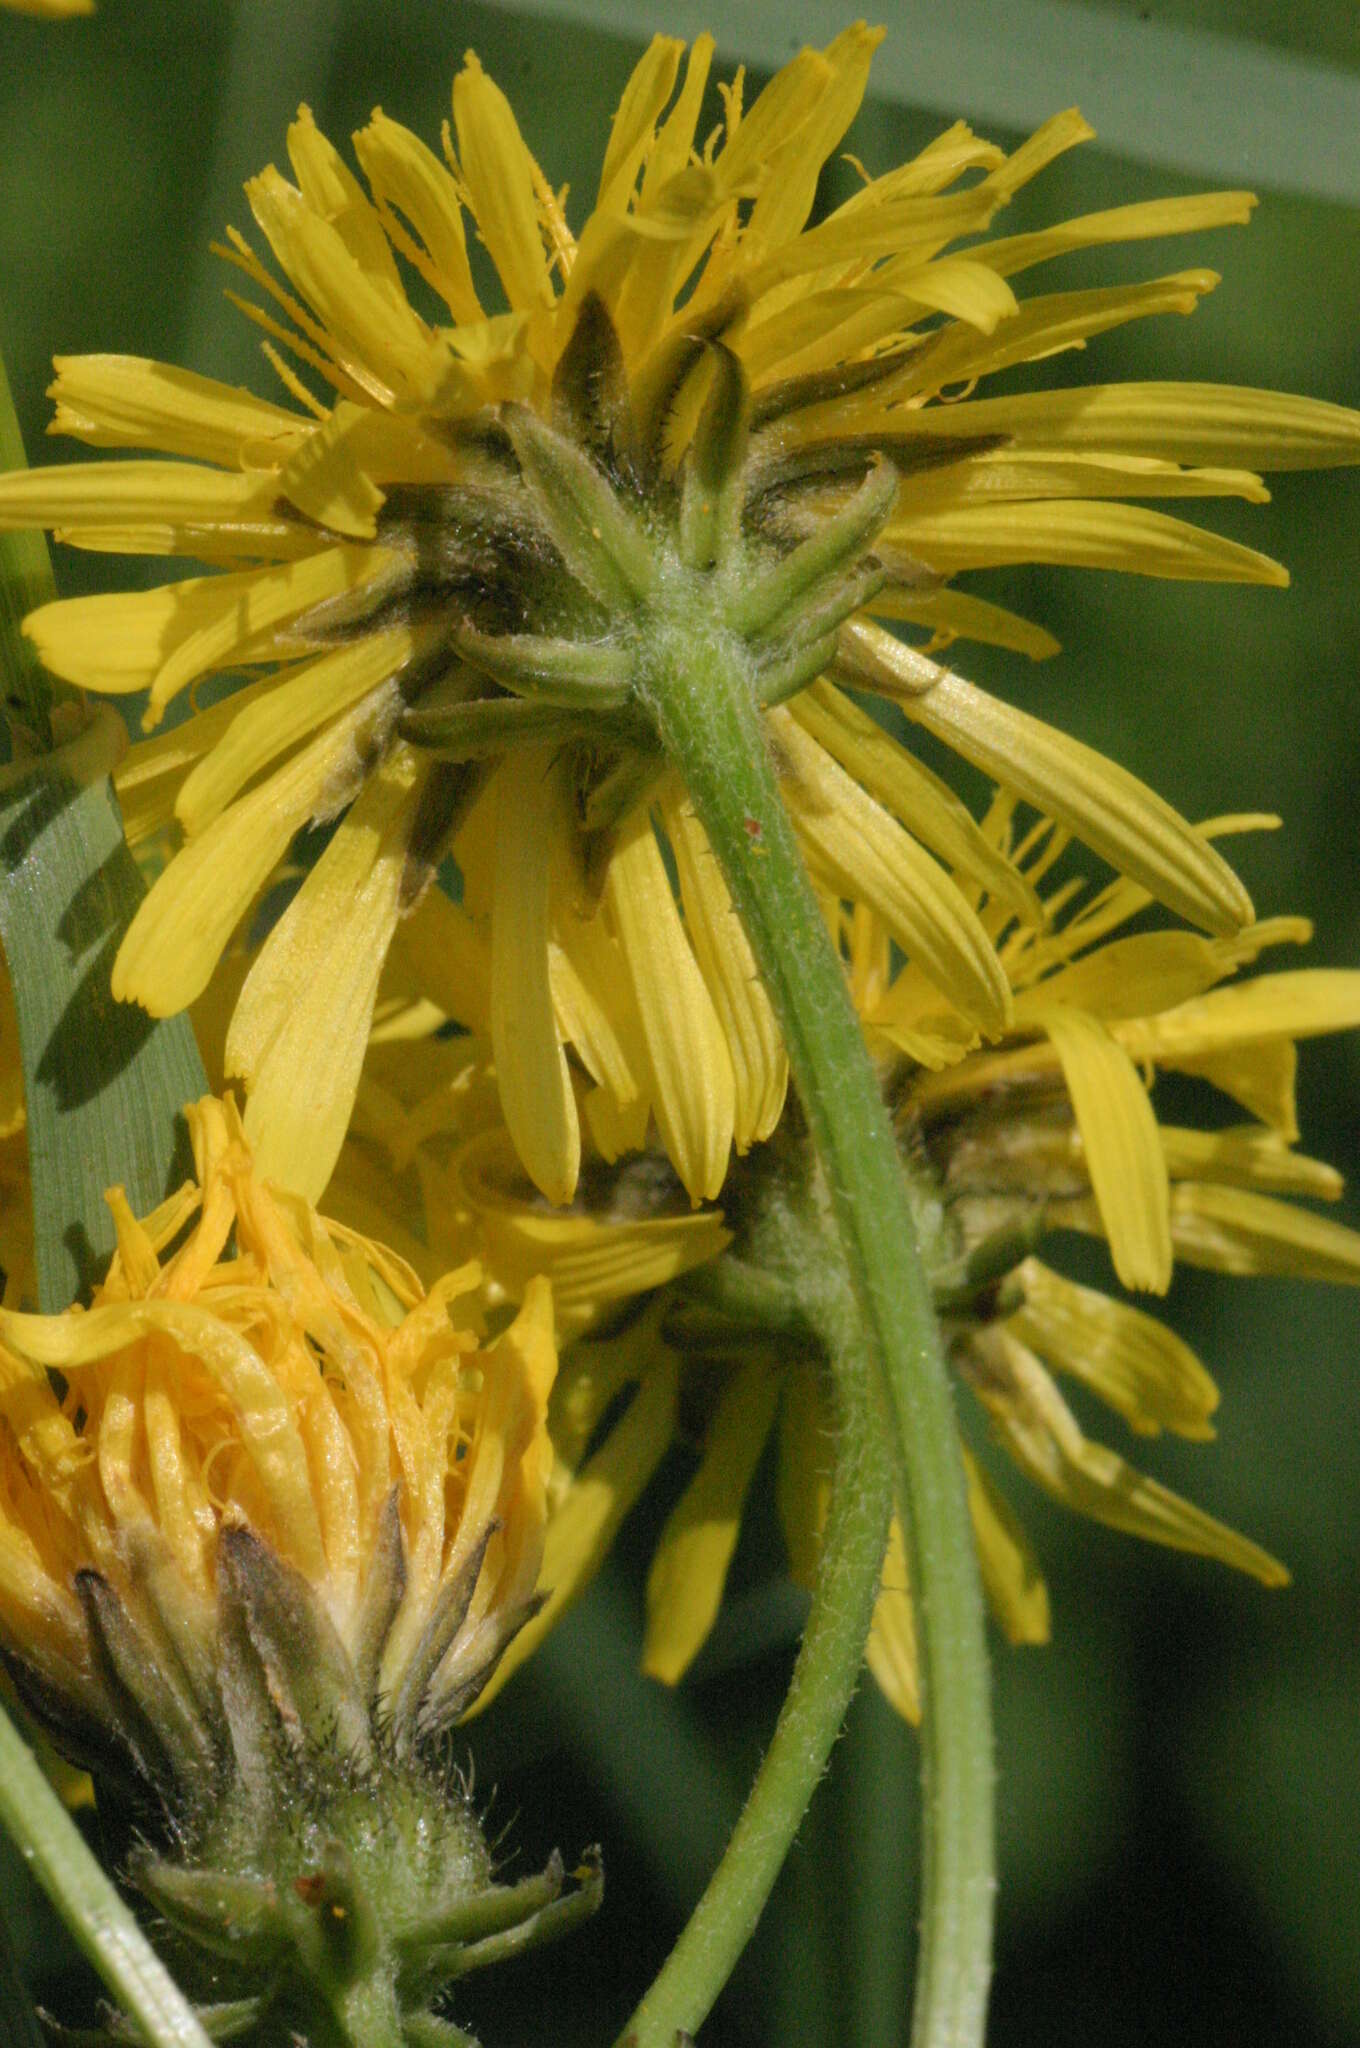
(890, 1652)
(592, 1258)
(793, 160)
(159, 640)
(288, 711)
(1247, 1157)
(177, 936)
(583, 1526)
(1123, 1153)
(374, 333)
(1116, 815)
(1044, 326)
(301, 1025)
(502, 181)
(633, 129)
(867, 856)
(1040, 1432)
(1081, 532)
(759, 1066)
(441, 950)
(1134, 1363)
(1302, 1004)
(1147, 218)
(192, 509)
(334, 193)
(689, 1565)
(262, 1409)
(1210, 423)
(1260, 1077)
(999, 477)
(114, 401)
(407, 177)
(1133, 977)
(1231, 1230)
(693, 1091)
(675, 138)
(958, 615)
(1011, 1578)
(925, 805)
(536, 1090)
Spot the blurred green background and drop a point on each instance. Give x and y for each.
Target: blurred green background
(1180, 1771)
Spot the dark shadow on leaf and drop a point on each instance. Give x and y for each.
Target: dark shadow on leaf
(95, 1039)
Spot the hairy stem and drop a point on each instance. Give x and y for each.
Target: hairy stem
(824, 1677)
(697, 685)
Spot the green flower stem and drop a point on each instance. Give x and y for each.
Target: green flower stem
(824, 1678)
(101, 1924)
(697, 683)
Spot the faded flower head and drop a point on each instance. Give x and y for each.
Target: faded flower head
(268, 1519)
(455, 551)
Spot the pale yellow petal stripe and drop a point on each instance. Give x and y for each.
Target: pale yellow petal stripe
(759, 1065)
(1132, 977)
(693, 1092)
(112, 401)
(1117, 816)
(1143, 220)
(689, 1565)
(1135, 1364)
(1000, 477)
(536, 1090)
(1040, 1432)
(1123, 1153)
(334, 193)
(865, 854)
(300, 1028)
(88, 495)
(1043, 326)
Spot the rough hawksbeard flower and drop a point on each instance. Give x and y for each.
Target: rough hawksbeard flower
(1052, 1130)
(268, 1519)
(456, 553)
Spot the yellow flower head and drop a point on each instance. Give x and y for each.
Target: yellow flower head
(1053, 1130)
(268, 1519)
(275, 1387)
(453, 553)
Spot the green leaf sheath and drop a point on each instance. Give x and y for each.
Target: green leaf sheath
(698, 687)
(104, 1083)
